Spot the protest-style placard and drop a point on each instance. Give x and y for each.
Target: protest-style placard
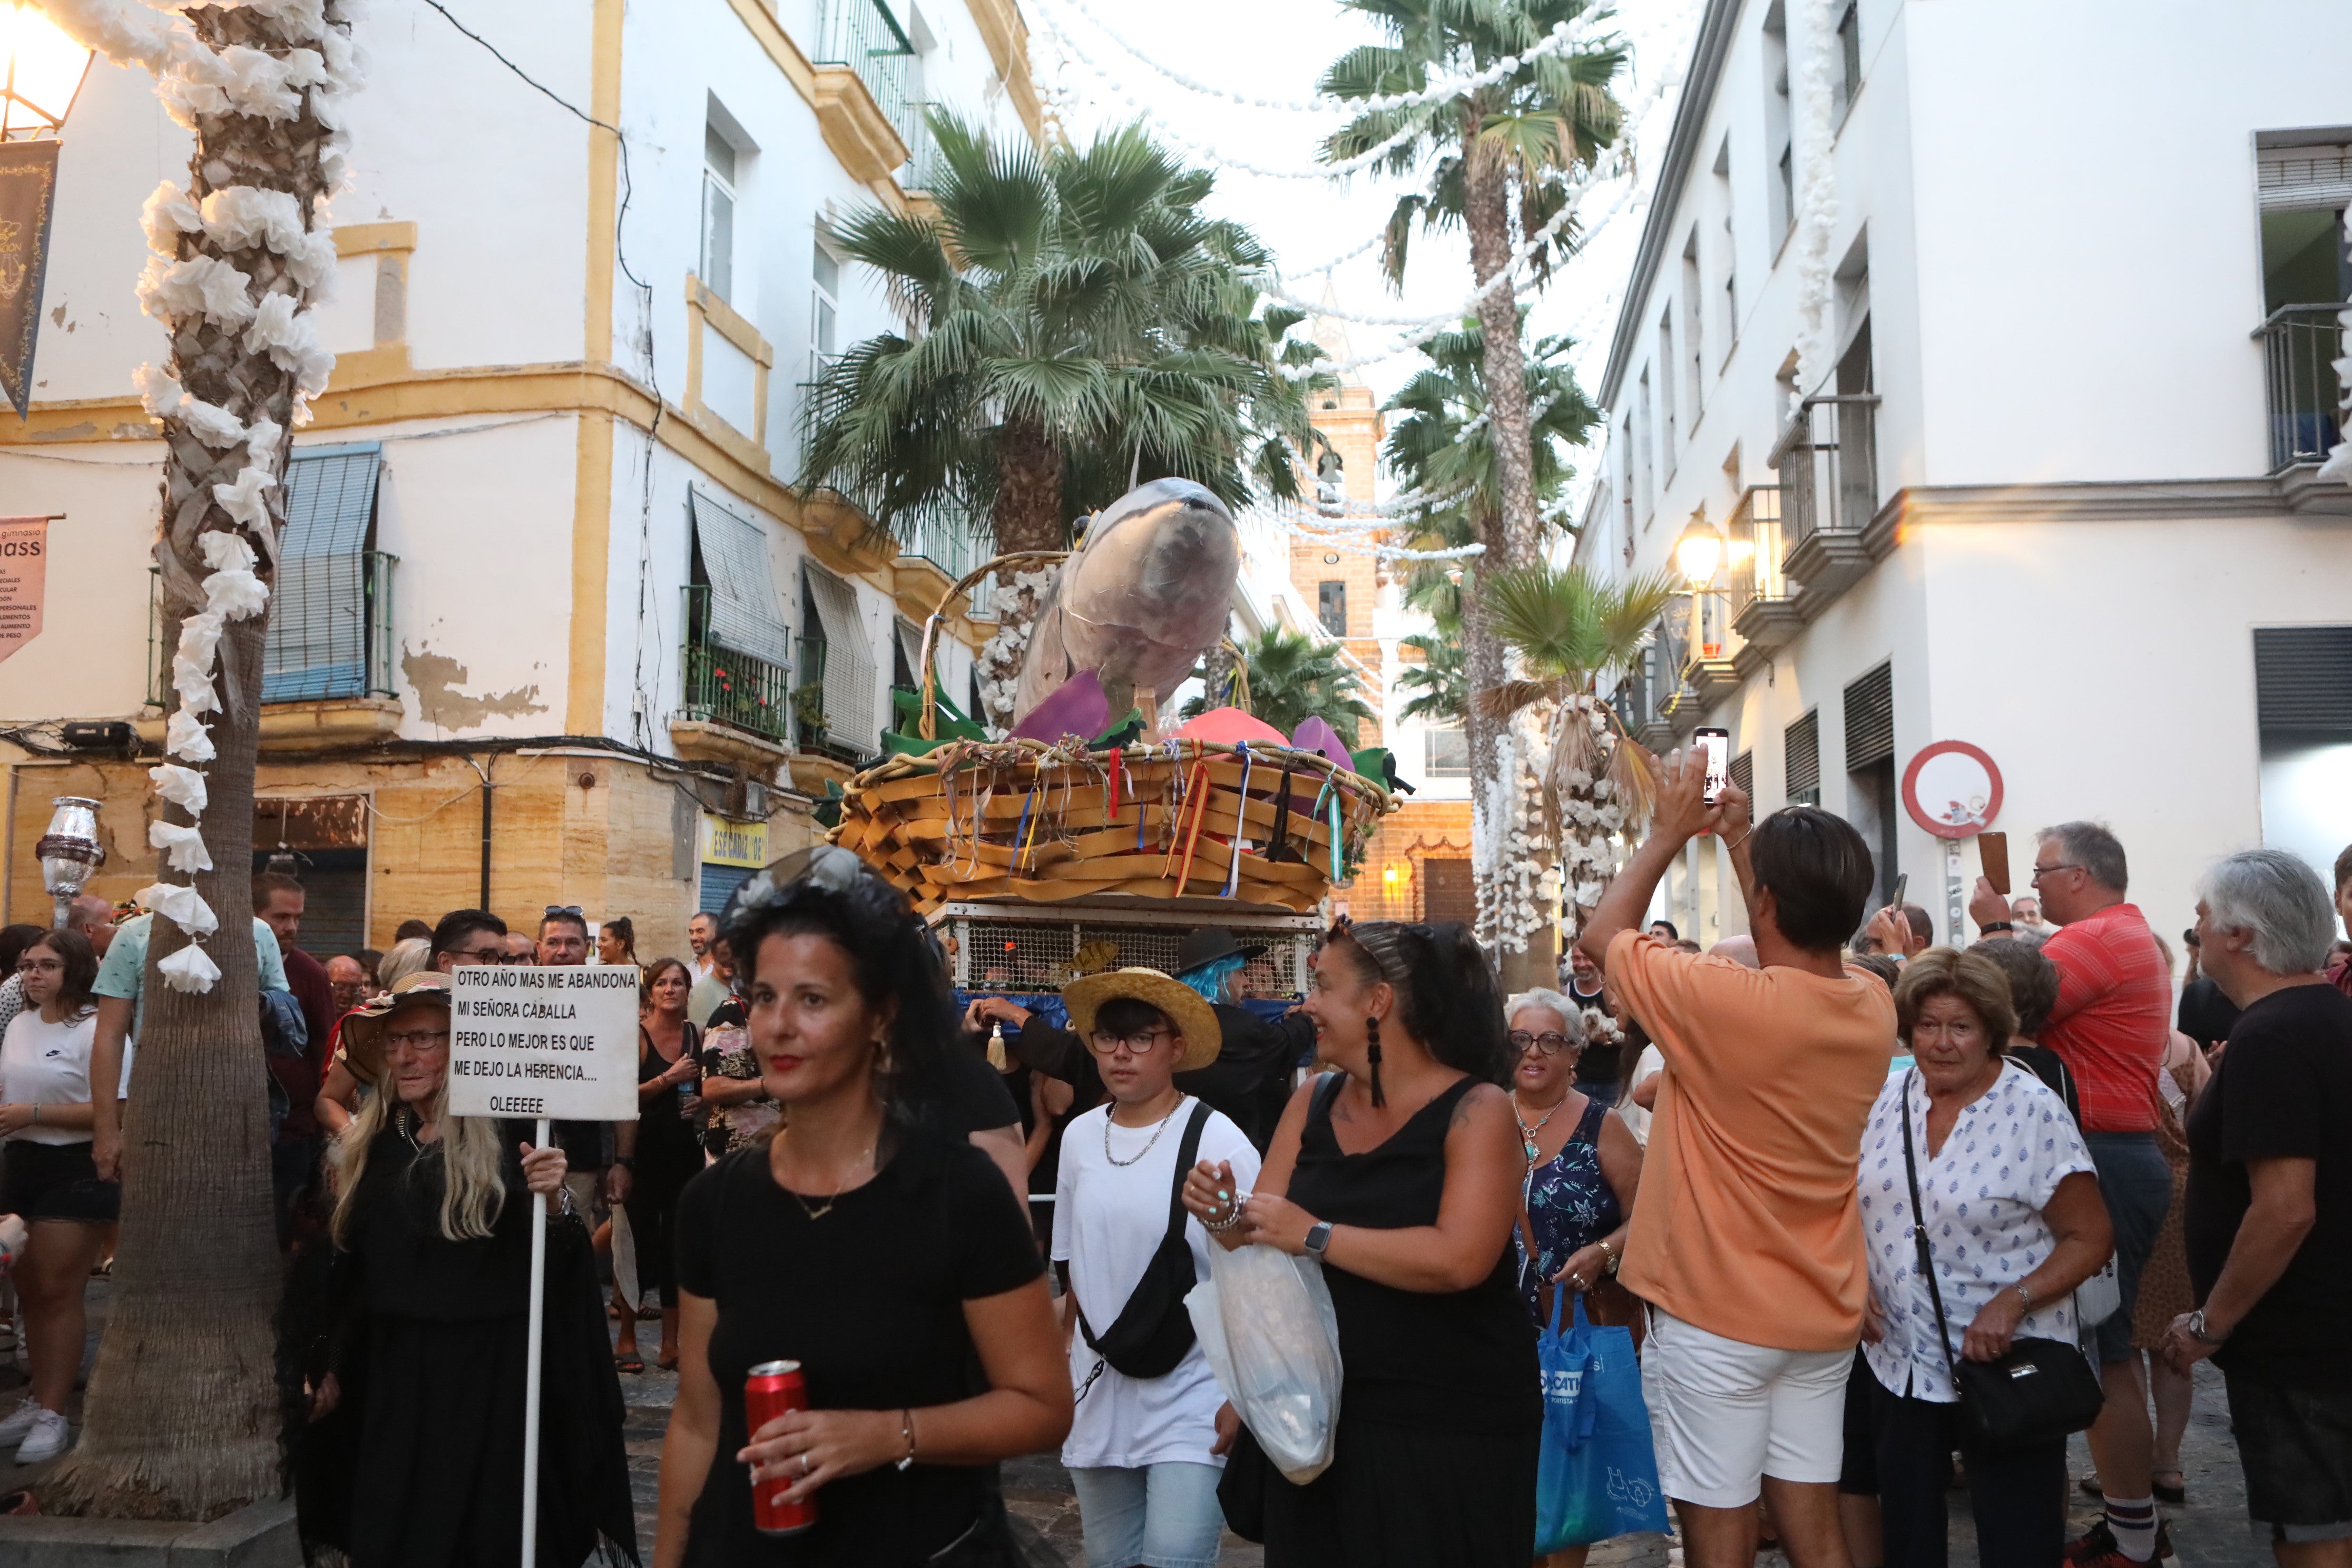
(527, 1041)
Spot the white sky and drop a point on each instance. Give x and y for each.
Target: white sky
(1277, 50)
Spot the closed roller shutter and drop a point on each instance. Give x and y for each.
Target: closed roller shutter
(1870, 719)
(718, 885)
(1743, 773)
(848, 662)
(2301, 178)
(1801, 760)
(319, 617)
(2303, 681)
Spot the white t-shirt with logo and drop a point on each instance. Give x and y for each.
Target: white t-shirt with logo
(47, 1064)
(1109, 1220)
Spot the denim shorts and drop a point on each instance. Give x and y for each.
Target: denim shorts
(2295, 1446)
(2136, 1185)
(1160, 1516)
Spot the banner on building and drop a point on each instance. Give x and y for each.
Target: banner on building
(29, 190)
(726, 842)
(23, 576)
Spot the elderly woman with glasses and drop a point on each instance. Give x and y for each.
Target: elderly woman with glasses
(415, 1456)
(1583, 1164)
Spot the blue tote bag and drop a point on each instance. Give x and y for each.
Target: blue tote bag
(1597, 1476)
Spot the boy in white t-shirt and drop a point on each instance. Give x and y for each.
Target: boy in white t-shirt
(1140, 1449)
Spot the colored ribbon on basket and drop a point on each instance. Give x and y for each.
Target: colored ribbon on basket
(1196, 791)
(1110, 789)
(1021, 829)
(1241, 821)
(1329, 793)
(1278, 846)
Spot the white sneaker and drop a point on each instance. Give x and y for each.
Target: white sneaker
(48, 1438)
(19, 1420)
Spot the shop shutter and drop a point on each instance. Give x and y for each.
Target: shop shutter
(2303, 681)
(318, 638)
(1870, 719)
(745, 612)
(1801, 760)
(718, 885)
(848, 662)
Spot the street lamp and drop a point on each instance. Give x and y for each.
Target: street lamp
(41, 71)
(1698, 553)
(69, 851)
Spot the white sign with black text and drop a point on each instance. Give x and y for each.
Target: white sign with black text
(557, 1042)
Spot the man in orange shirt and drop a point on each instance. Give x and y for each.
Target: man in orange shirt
(1747, 1234)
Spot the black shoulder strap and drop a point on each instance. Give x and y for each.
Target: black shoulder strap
(1187, 1152)
(1326, 1091)
(1919, 1235)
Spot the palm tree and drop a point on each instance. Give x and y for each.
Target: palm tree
(1292, 678)
(182, 1414)
(1526, 135)
(1440, 683)
(1571, 632)
(1076, 324)
(1443, 443)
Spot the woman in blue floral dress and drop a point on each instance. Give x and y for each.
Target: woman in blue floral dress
(1583, 1164)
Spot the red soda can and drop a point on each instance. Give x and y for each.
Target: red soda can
(773, 1388)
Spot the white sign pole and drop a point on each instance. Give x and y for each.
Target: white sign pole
(1954, 908)
(531, 1371)
(543, 1043)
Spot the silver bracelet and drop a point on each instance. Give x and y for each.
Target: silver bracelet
(1219, 1226)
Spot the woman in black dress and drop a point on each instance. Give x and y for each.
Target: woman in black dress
(668, 1152)
(417, 1460)
(887, 1258)
(1402, 1172)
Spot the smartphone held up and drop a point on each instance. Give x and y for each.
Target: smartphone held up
(1716, 745)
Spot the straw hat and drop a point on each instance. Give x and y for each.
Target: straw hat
(363, 1025)
(1194, 1017)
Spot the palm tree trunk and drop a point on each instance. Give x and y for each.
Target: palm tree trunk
(183, 1415)
(1027, 515)
(1488, 218)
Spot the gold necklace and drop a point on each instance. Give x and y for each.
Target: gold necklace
(825, 1207)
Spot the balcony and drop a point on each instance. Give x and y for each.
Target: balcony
(735, 706)
(1762, 611)
(2301, 344)
(1828, 464)
(866, 111)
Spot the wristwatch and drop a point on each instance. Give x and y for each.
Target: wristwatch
(1992, 926)
(2197, 1330)
(1319, 1236)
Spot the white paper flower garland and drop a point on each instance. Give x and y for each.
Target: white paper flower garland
(317, 69)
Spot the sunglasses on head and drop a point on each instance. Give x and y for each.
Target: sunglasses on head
(560, 910)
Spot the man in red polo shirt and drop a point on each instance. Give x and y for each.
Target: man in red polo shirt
(2111, 1023)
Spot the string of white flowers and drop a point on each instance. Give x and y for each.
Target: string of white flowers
(1397, 505)
(1564, 37)
(1816, 200)
(1339, 260)
(193, 79)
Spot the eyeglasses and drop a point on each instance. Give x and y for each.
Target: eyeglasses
(1104, 1042)
(41, 966)
(1550, 1043)
(416, 1040)
(560, 910)
(2042, 871)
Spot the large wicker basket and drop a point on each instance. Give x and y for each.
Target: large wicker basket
(1019, 820)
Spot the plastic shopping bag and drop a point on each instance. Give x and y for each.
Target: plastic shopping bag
(1597, 1474)
(1266, 1324)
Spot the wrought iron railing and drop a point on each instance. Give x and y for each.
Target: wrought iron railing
(330, 630)
(2301, 345)
(947, 542)
(924, 170)
(1828, 464)
(864, 36)
(1755, 554)
(724, 686)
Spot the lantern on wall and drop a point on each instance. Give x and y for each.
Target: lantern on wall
(41, 73)
(69, 851)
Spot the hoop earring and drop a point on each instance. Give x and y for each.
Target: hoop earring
(1373, 1054)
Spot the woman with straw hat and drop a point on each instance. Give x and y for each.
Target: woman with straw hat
(1143, 1449)
(415, 1456)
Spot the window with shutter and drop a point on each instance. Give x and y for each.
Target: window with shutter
(2302, 683)
(2301, 178)
(849, 674)
(1801, 761)
(1743, 773)
(1870, 719)
(331, 599)
(746, 615)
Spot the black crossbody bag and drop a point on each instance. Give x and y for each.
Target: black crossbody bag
(1153, 1331)
(2042, 1389)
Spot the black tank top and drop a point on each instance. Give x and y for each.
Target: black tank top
(1465, 1361)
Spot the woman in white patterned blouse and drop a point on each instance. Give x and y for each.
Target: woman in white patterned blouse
(2014, 1224)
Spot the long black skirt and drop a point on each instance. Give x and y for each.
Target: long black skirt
(1408, 1497)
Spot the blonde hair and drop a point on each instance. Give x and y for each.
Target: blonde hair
(473, 1189)
(402, 960)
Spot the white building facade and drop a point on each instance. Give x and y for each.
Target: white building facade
(2053, 489)
(547, 498)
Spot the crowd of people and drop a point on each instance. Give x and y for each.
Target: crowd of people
(1840, 1184)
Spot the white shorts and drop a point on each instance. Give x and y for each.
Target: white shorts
(1723, 1415)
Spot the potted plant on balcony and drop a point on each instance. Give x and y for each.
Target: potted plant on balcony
(808, 714)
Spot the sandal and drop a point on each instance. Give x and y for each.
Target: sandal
(2177, 1493)
(628, 1360)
